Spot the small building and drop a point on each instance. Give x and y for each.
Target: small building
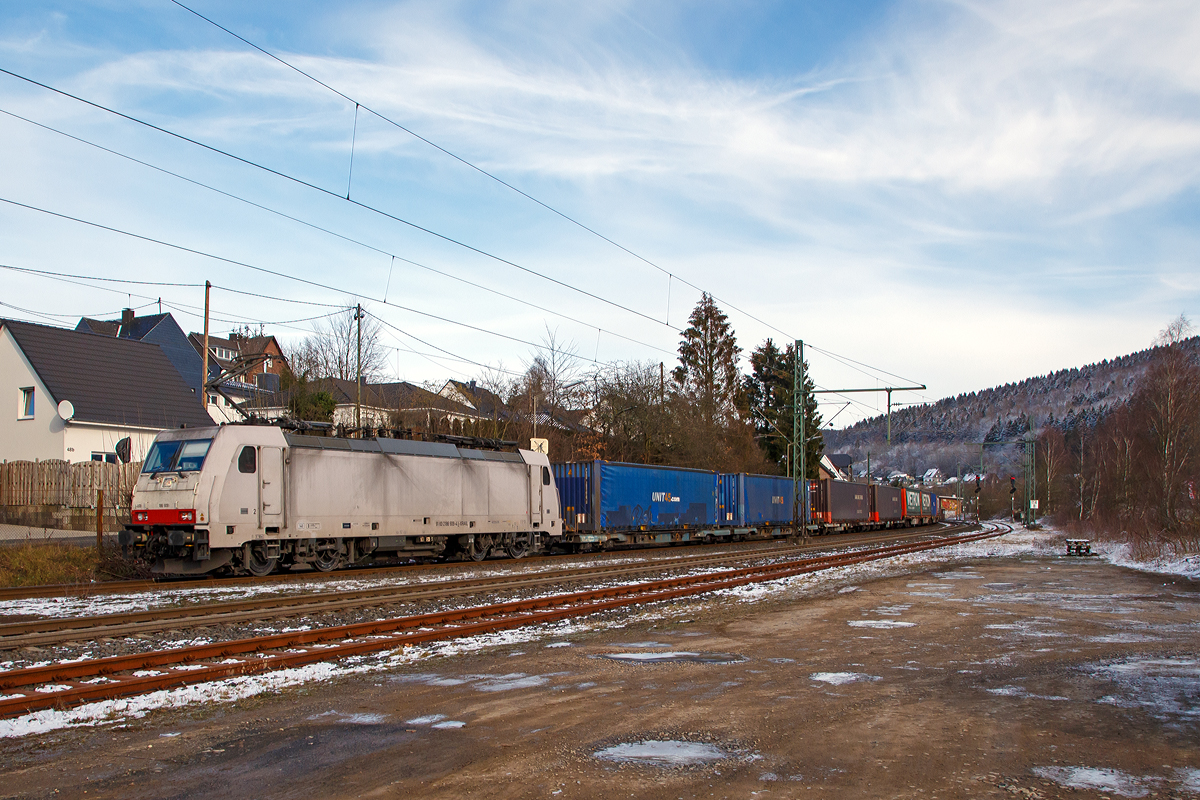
(383, 404)
(256, 386)
(75, 394)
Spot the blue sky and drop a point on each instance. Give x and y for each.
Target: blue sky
(959, 194)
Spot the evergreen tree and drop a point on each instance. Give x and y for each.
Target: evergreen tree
(707, 371)
(768, 391)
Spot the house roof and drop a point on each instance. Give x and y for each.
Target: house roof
(109, 380)
(137, 328)
(485, 401)
(400, 396)
(841, 460)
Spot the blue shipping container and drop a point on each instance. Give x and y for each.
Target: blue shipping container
(766, 499)
(730, 509)
(601, 495)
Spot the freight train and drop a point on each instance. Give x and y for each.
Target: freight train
(256, 498)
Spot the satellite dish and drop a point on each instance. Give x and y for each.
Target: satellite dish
(66, 410)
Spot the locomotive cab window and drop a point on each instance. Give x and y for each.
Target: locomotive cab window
(545, 476)
(248, 459)
(172, 456)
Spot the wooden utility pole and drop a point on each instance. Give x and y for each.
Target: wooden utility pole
(204, 373)
(99, 521)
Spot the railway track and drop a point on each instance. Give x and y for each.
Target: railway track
(162, 584)
(70, 684)
(60, 630)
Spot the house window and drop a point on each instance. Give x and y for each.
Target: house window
(107, 458)
(26, 409)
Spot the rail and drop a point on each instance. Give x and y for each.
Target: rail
(72, 684)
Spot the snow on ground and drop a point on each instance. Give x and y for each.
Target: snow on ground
(842, 678)
(1103, 780)
(93, 605)
(662, 753)
(1121, 556)
(1019, 543)
(224, 691)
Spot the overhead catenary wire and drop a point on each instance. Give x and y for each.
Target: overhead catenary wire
(279, 274)
(393, 257)
(358, 104)
(331, 193)
(378, 211)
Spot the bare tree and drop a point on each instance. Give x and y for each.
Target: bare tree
(331, 351)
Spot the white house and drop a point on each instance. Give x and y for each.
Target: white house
(73, 395)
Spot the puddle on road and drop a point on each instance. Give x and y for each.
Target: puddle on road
(674, 657)
(667, 753)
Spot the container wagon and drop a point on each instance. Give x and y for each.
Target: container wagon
(839, 505)
(759, 502)
(608, 504)
(887, 504)
(918, 507)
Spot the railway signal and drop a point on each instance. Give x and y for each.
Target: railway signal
(1012, 489)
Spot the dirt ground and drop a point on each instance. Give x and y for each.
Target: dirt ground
(1032, 676)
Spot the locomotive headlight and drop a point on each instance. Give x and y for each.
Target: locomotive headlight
(141, 516)
(187, 516)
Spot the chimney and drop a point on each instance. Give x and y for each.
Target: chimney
(472, 384)
(126, 317)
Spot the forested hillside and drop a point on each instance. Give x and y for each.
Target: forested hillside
(946, 434)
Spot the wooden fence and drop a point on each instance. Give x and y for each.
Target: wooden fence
(61, 483)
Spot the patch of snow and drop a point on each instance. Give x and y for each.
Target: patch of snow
(516, 680)
(842, 678)
(881, 624)
(676, 654)
(1019, 691)
(1099, 779)
(426, 720)
(662, 753)
(1169, 688)
(448, 725)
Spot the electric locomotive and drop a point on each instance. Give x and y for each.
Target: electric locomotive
(252, 498)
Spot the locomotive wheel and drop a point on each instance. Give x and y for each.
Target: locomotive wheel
(479, 548)
(517, 545)
(327, 560)
(256, 562)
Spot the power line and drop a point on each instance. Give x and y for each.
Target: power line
(324, 230)
(439, 349)
(358, 104)
(380, 212)
(278, 274)
(331, 193)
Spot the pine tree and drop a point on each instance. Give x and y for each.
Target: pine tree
(707, 371)
(769, 393)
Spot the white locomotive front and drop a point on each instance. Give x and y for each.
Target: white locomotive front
(251, 498)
